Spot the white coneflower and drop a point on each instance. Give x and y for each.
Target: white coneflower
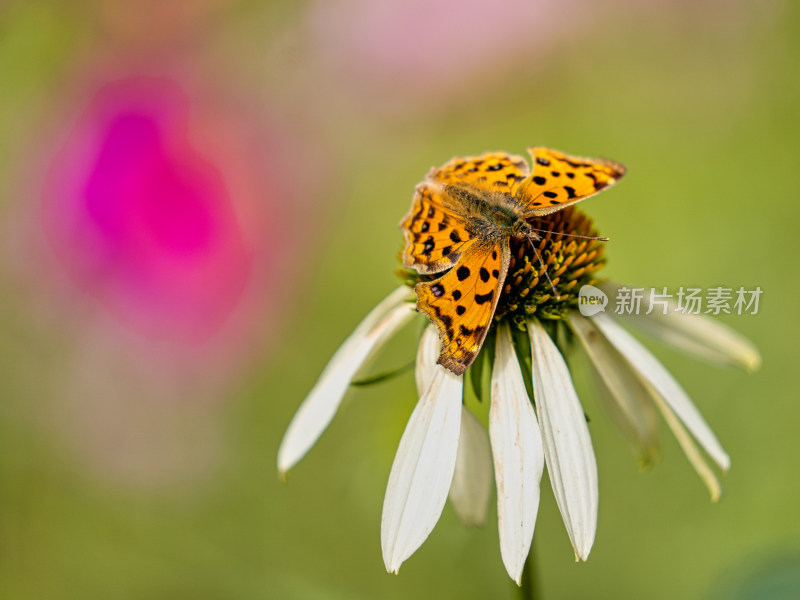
(444, 449)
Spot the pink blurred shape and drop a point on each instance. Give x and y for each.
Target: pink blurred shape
(173, 219)
(141, 220)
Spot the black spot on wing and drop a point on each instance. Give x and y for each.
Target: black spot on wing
(539, 180)
(484, 275)
(543, 161)
(550, 195)
(462, 273)
(484, 298)
(570, 191)
(455, 237)
(456, 295)
(460, 309)
(437, 289)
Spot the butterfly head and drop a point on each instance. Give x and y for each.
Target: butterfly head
(522, 230)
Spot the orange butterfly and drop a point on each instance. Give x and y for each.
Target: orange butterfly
(463, 217)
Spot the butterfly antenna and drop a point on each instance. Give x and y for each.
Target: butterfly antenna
(544, 266)
(586, 237)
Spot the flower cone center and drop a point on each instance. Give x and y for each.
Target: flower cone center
(571, 262)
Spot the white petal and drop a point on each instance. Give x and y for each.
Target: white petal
(472, 481)
(631, 401)
(690, 449)
(426, 358)
(665, 385)
(422, 470)
(319, 407)
(636, 398)
(567, 445)
(518, 456)
(699, 335)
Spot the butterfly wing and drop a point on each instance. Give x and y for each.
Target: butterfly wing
(491, 172)
(559, 180)
(462, 302)
(435, 234)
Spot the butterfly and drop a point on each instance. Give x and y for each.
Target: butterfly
(461, 223)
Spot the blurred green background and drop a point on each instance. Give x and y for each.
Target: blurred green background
(160, 481)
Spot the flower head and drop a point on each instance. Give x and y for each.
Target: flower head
(535, 416)
(544, 279)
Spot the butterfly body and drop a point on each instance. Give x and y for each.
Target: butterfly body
(489, 215)
(461, 223)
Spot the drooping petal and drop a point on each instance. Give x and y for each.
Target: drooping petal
(518, 456)
(630, 400)
(422, 470)
(698, 335)
(636, 398)
(665, 385)
(567, 445)
(690, 449)
(472, 481)
(319, 407)
(427, 354)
